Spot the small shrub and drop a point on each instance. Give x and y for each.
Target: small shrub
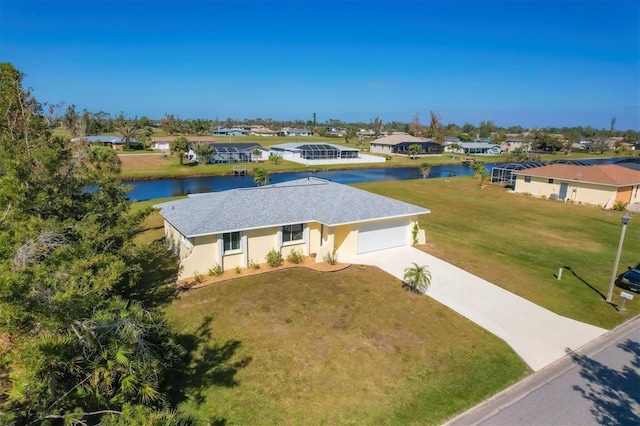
(414, 233)
(197, 277)
(274, 258)
(216, 270)
(295, 257)
(253, 265)
(331, 258)
(387, 157)
(237, 269)
(620, 206)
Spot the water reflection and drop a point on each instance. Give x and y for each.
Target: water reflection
(144, 190)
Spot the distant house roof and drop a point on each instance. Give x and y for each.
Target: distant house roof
(298, 146)
(241, 146)
(264, 131)
(298, 201)
(478, 145)
(225, 131)
(104, 139)
(299, 131)
(604, 174)
(398, 139)
(157, 139)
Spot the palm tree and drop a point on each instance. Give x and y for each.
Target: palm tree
(414, 150)
(261, 176)
(179, 146)
(417, 278)
(455, 147)
(426, 170)
(478, 169)
(256, 154)
(128, 131)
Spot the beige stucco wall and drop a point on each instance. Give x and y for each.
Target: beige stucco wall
(203, 256)
(259, 243)
(314, 237)
(579, 192)
(204, 252)
(175, 241)
(346, 239)
(381, 149)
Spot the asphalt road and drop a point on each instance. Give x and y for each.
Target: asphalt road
(598, 384)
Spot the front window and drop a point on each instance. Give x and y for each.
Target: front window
(527, 179)
(231, 241)
(550, 180)
(291, 233)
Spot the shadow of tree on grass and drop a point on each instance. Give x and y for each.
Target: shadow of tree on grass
(615, 395)
(209, 364)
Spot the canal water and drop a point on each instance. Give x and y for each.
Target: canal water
(144, 190)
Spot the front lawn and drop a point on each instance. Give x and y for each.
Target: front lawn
(518, 242)
(349, 347)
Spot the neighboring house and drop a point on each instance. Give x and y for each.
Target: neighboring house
(313, 216)
(163, 143)
(365, 133)
(230, 132)
(263, 131)
(400, 143)
(480, 148)
(297, 132)
(225, 153)
(514, 141)
(110, 141)
(600, 185)
(316, 151)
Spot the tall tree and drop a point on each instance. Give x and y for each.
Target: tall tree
(82, 343)
(129, 131)
(377, 127)
(179, 146)
(74, 123)
(415, 128)
(203, 152)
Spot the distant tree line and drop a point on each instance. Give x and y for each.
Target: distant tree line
(88, 123)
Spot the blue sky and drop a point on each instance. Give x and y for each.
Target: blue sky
(537, 64)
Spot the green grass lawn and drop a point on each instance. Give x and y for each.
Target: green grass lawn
(300, 346)
(156, 166)
(348, 347)
(519, 242)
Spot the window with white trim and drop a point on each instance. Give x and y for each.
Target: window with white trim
(231, 241)
(292, 233)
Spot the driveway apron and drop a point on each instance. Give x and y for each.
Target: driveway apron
(538, 335)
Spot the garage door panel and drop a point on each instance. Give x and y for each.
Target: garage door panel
(383, 235)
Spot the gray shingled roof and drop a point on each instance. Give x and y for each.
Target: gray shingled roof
(297, 201)
(398, 139)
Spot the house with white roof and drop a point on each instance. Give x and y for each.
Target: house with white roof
(313, 216)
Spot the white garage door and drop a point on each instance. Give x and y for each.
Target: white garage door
(383, 235)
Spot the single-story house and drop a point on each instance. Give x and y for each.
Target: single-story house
(480, 148)
(600, 185)
(114, 142)
(236, 227)
(225, 153)
(400, 143)
(263, 131)
(162, 143)
(230, 132)
(296, 132)
(315, 150)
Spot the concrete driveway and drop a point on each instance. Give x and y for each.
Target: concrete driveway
(538, 335)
